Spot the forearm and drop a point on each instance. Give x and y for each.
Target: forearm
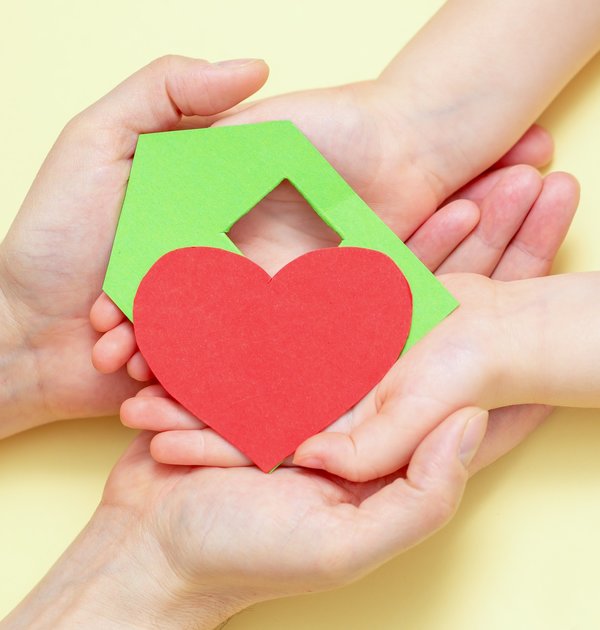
(552, 332)
(112, 577)
(481, 71)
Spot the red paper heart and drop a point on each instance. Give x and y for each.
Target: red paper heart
(268, 362)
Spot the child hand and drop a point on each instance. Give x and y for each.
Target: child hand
(386, 148)
(509, 343)
(469, 233)
(530, 253)
(495, 212)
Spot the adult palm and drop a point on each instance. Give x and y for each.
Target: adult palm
(53, 259)
(247, 536)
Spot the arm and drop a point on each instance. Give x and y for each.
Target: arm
(114, 576)
(452, 101)
(481, 71)
(554, 326)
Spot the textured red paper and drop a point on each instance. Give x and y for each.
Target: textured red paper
(268, 362)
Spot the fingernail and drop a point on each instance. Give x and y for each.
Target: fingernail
(472, 437)
(235, 63)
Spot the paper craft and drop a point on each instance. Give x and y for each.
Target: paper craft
(187, 188)
(268, 362)
(265, 362)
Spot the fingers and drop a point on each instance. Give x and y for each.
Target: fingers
(156, 97)
(114, 348)
(535, 245)
(526, 254)
(377, 447)
(105, 314)
(196, 448)
(408, 510)
(199, 448)
(503, 210)
(184, 439)
(507, 427)
(157, 413)
(535, 148)
(437, 238)
(138, 368)
(117, 346)
(154, 390)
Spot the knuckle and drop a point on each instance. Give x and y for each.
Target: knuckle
(78, 126)
(164, 62)
(441, 507)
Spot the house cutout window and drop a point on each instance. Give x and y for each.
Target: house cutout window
(281, 227)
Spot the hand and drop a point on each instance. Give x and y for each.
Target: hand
(384, 147)
(505, 213)
(508, 343)
(530, 253)
(392, 176)
(54, 257)
(284, 218)
(173, 547)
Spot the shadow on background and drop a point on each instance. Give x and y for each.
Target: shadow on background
(566, 105)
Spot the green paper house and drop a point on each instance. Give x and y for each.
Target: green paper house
(187, 188)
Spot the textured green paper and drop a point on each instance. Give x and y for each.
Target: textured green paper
(187, 188)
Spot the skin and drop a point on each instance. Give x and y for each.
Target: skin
(508, 344)
(53, 259)
(35, 370)
(454, 121)
(178, 547)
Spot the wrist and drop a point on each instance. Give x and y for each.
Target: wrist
(424, 130)
(523, 351)
(21, 397)
(552, 326)
(115, 576)
(474, 341)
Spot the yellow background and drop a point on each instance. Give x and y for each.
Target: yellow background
(523, 551)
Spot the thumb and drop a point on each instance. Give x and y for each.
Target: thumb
(410, 509)
(378, 446)
(156, 97)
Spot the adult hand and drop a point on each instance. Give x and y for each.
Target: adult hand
(54, 257)
(175, 547)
